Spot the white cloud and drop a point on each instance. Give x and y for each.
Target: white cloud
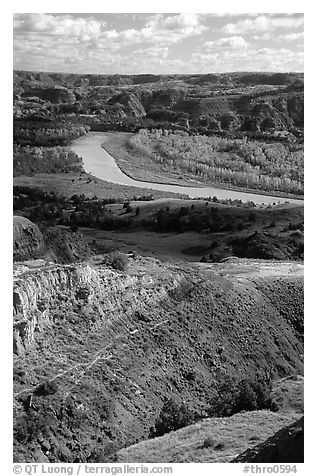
(290, 37)
(272, 36)
(250, 59)
(261, 24)
(233, 42)
(157, 28)
(154, 52)
(65, 25)
(154, 43)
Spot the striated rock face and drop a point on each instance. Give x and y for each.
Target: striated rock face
(28, 241)
(39, 288)
(286, 446)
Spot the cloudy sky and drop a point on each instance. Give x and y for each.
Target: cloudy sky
(129, 43)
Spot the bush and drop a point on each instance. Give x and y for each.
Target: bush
(46, 388)
(32, 427)
(73, 228)
(208, 443)
(235, 396)
(117, 261)
(172, 417)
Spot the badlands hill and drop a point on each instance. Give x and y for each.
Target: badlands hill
(53, 244)
(99, 350)
(254, 102)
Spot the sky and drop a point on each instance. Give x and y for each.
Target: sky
(158, 43)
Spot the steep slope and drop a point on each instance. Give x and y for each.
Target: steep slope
(98, 351)
(285, 446)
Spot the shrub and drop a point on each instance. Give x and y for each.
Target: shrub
(46, 388)
(235, 396)
(74, 228)
(172, 417)
(32, 427)
(208, 443)
(117, 261)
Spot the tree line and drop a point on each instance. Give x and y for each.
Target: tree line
(270, 166)
(50, 135)
(32, 160)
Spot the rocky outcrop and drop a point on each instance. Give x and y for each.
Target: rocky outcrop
(28, 241)
(64, 246)
(286, 446)
(129, 103)
(40, 288)
(37, 288)
(58, 245)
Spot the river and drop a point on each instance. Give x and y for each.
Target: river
(98, 162)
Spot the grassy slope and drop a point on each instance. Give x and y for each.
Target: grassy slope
(71, 184)
(171, 245)
(233, 435)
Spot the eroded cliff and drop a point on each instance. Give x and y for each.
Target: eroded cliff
(98, 351)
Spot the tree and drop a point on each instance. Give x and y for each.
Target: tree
(172, 417)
